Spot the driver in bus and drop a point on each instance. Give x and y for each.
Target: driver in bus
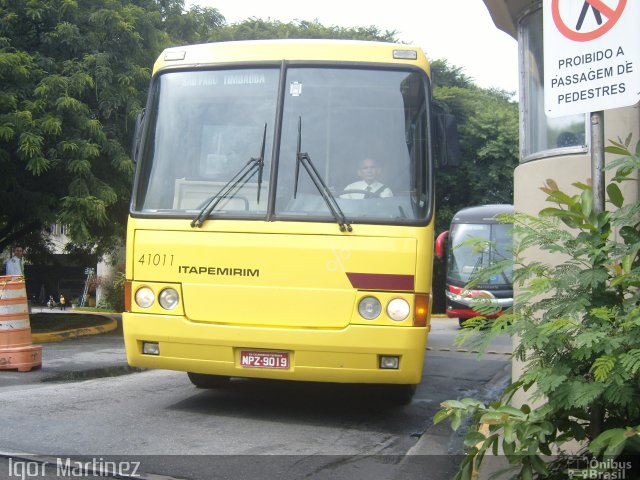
(368, 186)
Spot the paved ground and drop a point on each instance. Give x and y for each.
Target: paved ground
(99, 352)
(75, 354)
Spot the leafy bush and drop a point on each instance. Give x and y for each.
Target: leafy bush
(578, 329)
(113, 298)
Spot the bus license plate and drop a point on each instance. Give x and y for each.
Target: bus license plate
(254, 359)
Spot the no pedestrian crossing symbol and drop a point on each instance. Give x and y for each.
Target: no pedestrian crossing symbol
(591, 55)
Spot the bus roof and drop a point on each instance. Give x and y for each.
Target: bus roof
(278, 50)
(481, 214)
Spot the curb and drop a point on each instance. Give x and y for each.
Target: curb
(62, 335)
(437, 439)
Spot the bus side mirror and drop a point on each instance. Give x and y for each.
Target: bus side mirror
(440, 242)
(137, 135)
(447, 140)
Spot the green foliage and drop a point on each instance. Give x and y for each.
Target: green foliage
(260, 29)
(73, 75)
(578, 325)
(488, 127)
(113, 298)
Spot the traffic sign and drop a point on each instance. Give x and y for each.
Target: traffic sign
(591, 55)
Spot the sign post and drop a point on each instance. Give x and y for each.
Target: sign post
(597, 160)
(591, 64)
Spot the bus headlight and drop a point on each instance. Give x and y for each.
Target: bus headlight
(145, 297)
(369, 308)
(398, 309)
(168, 298)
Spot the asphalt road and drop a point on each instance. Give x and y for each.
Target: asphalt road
(253, 429)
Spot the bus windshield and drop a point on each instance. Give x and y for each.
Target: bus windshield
(464, 259)
(207, 128)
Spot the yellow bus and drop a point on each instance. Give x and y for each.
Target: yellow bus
(254, 247)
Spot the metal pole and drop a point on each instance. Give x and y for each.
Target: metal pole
(597, 183)
(597, 160)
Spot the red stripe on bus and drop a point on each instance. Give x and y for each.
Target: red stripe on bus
(381, 281)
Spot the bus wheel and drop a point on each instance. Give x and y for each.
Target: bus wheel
(201, 380)
(401, 394)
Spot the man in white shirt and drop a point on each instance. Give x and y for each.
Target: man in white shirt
(15, 265)
(368, 186)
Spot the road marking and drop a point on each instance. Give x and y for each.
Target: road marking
(462, 350)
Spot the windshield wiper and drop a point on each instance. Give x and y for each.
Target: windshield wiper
(260, 162)
(248, 170)
(304, 159)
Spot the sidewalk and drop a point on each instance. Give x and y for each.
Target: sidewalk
(440, 449)
(85, 353)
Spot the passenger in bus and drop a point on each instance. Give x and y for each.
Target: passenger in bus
(368, 186)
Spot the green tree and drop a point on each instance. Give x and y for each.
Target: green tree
(260, 29)
(198, 25)
(73, 77)
(488, 128)
(70, 86)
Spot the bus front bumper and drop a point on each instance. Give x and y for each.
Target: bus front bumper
(349, 355)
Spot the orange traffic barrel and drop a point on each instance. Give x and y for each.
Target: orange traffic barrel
(16, 350)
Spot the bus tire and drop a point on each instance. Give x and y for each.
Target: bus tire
(202, 380)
